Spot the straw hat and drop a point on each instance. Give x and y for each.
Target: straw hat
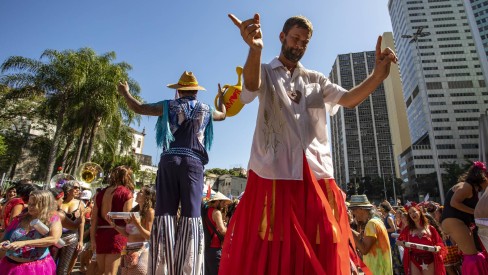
(359, 201)
(187, 82)
(218, 197)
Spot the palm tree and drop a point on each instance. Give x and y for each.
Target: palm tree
(80, 91)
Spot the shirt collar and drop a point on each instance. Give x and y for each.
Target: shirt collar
(276, 63)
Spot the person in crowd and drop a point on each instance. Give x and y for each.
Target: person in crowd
(452, 260)
(215, 229)
(17, 204)
(26, 248)
(290, 169)
(10, 193)
(481, 218)
(138, 232)
(106, 242)
(419, 231)
(66, 222)
(388, 216)
(73, 210)
(401, 219)
(86, 253)
(458, 215)
(372, 240)
(185, 133)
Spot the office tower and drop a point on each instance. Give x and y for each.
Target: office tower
(444, 87)
(397, 114)
(477, 13)
(361, 140)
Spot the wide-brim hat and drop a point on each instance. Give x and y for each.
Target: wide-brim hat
(219, 197)
(359, 201)
(187, 82)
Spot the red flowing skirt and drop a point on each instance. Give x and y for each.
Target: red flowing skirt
(288, 227)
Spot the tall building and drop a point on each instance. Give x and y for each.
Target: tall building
(444, 86)
(477, 12)
(361, 139)
(397, 114)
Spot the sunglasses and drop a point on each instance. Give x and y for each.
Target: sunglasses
(76, 187)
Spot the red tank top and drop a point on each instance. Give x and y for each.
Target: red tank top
(215, 243)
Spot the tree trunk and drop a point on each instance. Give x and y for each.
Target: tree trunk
(69, 141)
(55, 144)
(91, 142)
(81, 142)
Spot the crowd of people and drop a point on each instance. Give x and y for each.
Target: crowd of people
(415, 238)
(292, 218)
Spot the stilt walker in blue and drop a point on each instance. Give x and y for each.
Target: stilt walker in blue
(184, 131)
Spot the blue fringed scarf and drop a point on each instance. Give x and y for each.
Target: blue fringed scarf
(163, 132)
(208, 134)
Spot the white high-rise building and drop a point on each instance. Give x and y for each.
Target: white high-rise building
(444, 85)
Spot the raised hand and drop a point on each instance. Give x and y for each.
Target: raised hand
(123, 87)
(383, 60)
(250, 31)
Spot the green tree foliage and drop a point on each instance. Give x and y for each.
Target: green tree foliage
(236, 171)
(452, 172)
(3, 146)
(78, 96)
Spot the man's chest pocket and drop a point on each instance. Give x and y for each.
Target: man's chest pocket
(313, 96)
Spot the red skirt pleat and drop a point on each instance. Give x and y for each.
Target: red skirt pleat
(288, 227)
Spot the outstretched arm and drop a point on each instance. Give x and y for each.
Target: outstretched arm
(251, 34)
(381, 70)
(220, 114)
(135, 105)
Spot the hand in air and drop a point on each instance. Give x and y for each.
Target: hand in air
(123, 87)
(250, 31)
(383, 60)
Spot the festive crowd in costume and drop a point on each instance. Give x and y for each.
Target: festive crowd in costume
(292, 219)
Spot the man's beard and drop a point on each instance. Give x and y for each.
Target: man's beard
(291, 54)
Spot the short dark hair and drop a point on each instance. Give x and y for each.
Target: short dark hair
(385, 206)
(299, 21)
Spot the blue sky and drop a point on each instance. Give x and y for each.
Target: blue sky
(161, 39)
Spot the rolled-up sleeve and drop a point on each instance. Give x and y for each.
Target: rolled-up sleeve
(248, 96)
(332, 94)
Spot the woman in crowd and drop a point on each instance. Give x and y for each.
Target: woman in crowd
(105, 240)
(27, 249)
(73, 209)
(452, 261)
(215, 229)
(10, 193)
(67, 224)
(419, 231)
(15, 205)
(138, 232)
(86, 253)
(458, 215)
(481, 218)
(385, 210)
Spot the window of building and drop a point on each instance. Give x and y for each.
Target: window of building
(468, 128)
(469, 146)
(467, 119)
(434, 85)
(446, 146)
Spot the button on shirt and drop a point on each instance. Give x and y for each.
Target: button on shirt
(286, 129)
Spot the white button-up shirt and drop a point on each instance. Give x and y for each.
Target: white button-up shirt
(285, 129)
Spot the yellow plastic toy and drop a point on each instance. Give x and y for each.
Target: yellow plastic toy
(232, 94)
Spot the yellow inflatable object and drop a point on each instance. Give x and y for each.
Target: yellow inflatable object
(231, 96)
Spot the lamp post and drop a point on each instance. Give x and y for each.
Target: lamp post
(393, 178)
(356, 186)
(414, 38)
